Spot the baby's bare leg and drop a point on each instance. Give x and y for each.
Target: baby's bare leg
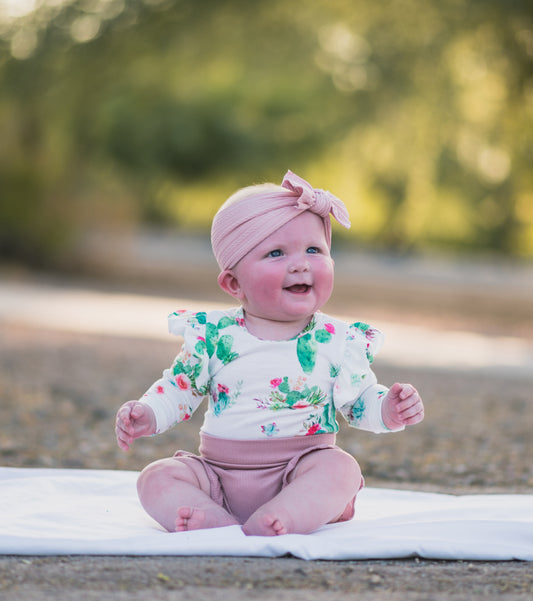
(320, 488)
(176, 495)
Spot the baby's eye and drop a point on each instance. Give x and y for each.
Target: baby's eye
(275, 253)
(313, 250)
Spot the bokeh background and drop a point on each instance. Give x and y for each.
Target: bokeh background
(124, 124)
(117, 114)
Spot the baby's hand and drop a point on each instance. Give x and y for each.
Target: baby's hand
(402, 407)
(134, 419)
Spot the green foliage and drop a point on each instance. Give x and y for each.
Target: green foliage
(419, 115)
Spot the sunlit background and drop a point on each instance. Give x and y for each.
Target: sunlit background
(121, 114)
(124, 124)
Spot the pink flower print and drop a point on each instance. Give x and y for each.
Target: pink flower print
(370, 334)
(240, 321)
(223, 388)
(275, 382)
(201, 338)
(185, 415)
(313, 429)
(160, 389)
(183, 382)
(329, 327)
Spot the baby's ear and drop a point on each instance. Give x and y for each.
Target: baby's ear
(228, 281)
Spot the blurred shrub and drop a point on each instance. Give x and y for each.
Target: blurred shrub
(419, 115)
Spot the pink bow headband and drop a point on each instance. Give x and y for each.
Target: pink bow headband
(245, 221)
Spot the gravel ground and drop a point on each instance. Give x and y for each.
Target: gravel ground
(59, 393)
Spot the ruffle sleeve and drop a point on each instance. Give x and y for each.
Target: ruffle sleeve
(179, 392)
(357, 395)
(191, 366)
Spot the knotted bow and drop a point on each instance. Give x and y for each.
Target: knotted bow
(321, 202)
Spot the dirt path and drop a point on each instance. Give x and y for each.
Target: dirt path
(261, 579)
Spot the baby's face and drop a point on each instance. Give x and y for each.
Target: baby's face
(288, 276)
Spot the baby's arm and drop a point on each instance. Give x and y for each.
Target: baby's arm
(402, 406)
(133, 420)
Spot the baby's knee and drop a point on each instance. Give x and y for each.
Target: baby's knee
(152, 477)
(156, 477)
(337, 465)
(343, 466)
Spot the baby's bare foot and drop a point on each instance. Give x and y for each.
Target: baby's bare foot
(264, 524)
(195, 518)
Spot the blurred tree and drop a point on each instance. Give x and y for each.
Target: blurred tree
(417, 114)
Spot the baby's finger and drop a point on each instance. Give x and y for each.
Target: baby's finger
(122, 445)
(123, 416)
(412, 410)
(413, 414)
(415, 419)
(408, 403)
(129, 413)
(124, 431)
(407, 391)
(123, 441)
(137, 411)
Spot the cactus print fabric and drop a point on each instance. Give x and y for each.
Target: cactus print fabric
(259, 389)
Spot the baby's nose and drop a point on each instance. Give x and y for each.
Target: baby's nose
(300, 264)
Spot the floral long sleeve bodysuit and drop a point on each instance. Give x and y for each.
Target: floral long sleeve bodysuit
(260, 389)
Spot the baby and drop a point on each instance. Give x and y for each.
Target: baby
(276, 371)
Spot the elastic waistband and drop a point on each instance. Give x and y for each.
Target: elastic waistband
(260, 452)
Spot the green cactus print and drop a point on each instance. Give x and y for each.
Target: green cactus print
(357, 411)
(214, 343)
(284, 396)
(307, 347)
(334, 370)
(224, 352)
(323, 336)
(328, 420)
(211, 338)
(222, 397)
(225, 322)
(186, 369)
(201, 317)
(321, 423)
(224, 344)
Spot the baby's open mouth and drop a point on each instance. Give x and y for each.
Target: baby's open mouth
(298, 288)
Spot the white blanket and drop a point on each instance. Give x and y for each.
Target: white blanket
(96, 512)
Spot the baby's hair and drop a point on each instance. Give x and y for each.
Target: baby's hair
(258, 190)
